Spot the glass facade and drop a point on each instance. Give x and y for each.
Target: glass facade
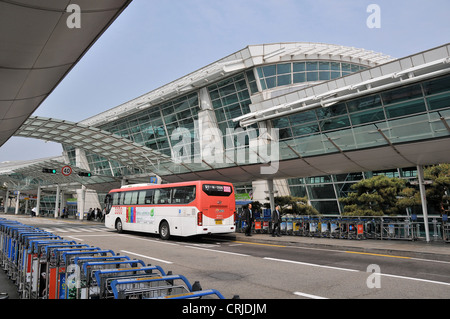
(404, 114)
(282, 74)
(324, 192)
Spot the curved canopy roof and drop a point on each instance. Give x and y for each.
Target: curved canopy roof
(38, 49)
(91, 139)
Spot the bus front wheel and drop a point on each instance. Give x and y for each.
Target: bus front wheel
(164, 230)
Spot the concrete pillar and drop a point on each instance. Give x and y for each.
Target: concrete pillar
(423, 197)
(38, 201)
(81, 194)
(271, 194)
(17, 202)
(57, 201)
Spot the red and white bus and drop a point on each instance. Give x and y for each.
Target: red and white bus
(179, 209)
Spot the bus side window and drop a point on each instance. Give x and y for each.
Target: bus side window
(116, 199)
(134, 197)
(183, 195)
(162, 196)
(141, 199)
(149, 196)
(128, 198)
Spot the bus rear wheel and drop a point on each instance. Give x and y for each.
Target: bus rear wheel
(164, 230)
(119, 226)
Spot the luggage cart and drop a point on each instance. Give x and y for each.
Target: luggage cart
(149, 288)
(52, 279)
(195, 294)
(57, 277)
(89, 282)
(80, 261)
(70, 277)
(39, 266)
(27, 260)
(104, 277)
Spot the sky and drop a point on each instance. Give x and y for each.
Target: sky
(154, 42)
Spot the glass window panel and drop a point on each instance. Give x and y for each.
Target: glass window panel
(285, 133)
(284, 68)
(349, 177)
(333, 110)
(326, 207)
(128, 198)
(299, 67)
(319, 179)
(324, 66)
(367, 117)
(253, 87)
(271, 82)
(270, 70)
(355, 68)
(263, 84)
(335, 66)
(305, 129)
(405, 108)
(298, 191)
(245, 107)
(230, 99)
(312, 76)
(346, 67)
(439, 102)
(284, 80)
(233, 111)
(250, 76)
(220, 115)
(281, 122)
(402, 94)
(299, 77)
(214, 94)
(243, 95)
(324, 76)
(311, 66)
(241, 85)
(227, 90)
(437, 86)
(364, 103)
(162, 196)
(335, 75)
(337, 122)
(321, 191)
(260, 72)
(303, 117)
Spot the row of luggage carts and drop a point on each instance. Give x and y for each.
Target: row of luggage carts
(46, 266)
(339, 227)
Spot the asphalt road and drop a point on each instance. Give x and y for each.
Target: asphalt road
(264, 271)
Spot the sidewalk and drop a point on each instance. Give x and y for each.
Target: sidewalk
(414, 249)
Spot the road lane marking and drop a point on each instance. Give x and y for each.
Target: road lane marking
(259, 244)
(75, 238)
(308, 295)
(311, 265)
(379, 255)
(218, 251)
(417, 279)
(147, 257)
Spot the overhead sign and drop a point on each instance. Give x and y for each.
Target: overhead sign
(66, 170)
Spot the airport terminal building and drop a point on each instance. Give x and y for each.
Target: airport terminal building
(335, 114)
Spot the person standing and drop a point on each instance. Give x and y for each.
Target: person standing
(276, 220)
(249, 216)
